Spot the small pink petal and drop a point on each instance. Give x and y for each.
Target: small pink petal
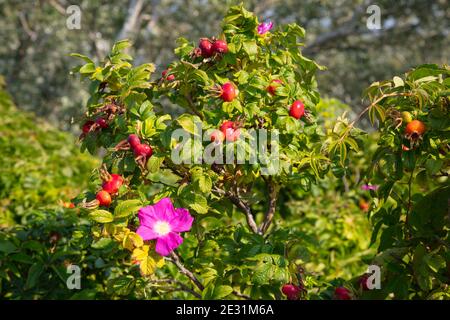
(165, 245)
(265, 27)
(182, 222)
(162, 210)
(146, 233)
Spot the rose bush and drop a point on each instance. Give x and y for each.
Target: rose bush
(235, 246)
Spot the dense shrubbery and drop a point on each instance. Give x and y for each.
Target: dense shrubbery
(39, 164)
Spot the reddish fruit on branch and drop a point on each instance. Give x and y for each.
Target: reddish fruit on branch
(217, 136)
(169, 77)
(87, 126)
(113, 184)
(68, 205)
(363, 282)
(291, 291)
(103, 198)
(230, 130)
(220, 47)
(206, 47)
(228, 92)
(364, 205)
(274, 84)
(133, 140)
(415, 129)
(342, 293)
(228, 124)
(297, 109)
(143, 150)
(102, 123)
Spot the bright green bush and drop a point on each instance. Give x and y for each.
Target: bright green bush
(40, 165)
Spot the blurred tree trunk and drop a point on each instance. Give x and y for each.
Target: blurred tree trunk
(131, 24)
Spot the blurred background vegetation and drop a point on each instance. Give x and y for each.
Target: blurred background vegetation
(36, 42)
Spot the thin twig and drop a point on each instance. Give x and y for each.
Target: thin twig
(183, 287)
(241, 295)
(176, 260)
(242, 206)
(272, 206)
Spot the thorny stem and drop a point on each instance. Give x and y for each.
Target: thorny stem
(176, 260)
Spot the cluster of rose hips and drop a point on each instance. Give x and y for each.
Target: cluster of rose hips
(110, 187)
(229, 130)
(139, 149)
(209, 47)
(98, 124)
(169, 77)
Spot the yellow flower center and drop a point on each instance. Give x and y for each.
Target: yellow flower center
(161, 228)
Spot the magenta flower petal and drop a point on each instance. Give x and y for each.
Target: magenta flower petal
(265, 27)
(367, 187)
(168, 243)
(162, 210)
(146, 233)
(182, 221)
(163, 222)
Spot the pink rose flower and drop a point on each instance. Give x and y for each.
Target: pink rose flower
(164, 223)
(265, 27)
(367, 187)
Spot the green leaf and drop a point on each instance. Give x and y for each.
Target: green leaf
(127, 208)
(205, 183)
(187, 122)
(101, 216)
(398, 82)
(7, 246)
(103, 243)
(221, 292)
(87, 68)
(251, 48)
(34, 273)
(154, 163)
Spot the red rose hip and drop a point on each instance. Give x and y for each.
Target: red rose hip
(206, 47)
(274, 84)
(102, 123)
(342, 293)
(217, 136)
(87, 126)
(297, 109)
(133, 140)
(220, 46)
(228, 92)
(103, 198)
(291, 291)
(112, 185)
(143, 150)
